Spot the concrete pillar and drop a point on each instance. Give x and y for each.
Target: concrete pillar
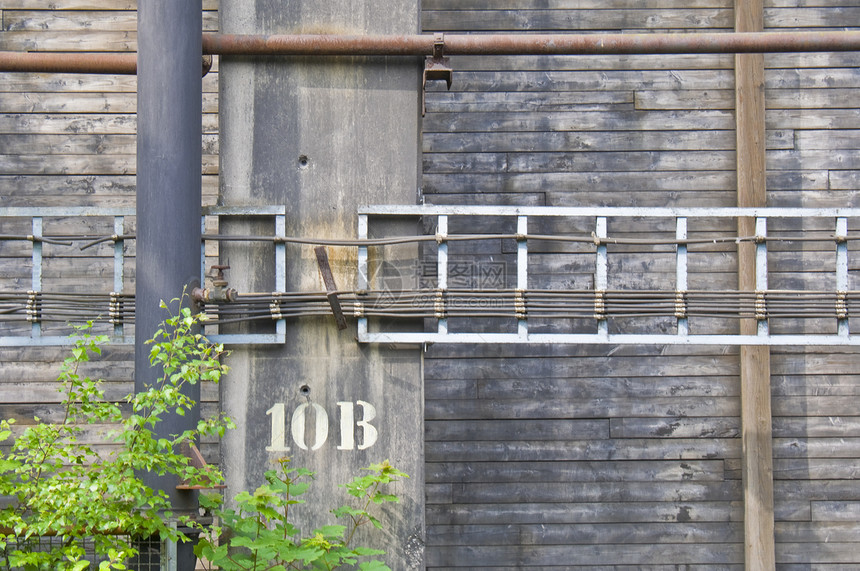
(323, 137)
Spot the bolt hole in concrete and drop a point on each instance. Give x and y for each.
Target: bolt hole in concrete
(303, 162)
(304, 390)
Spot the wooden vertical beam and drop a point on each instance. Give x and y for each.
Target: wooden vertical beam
(756, 422)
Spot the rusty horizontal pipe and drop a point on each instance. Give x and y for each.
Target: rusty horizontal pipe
(45, 62)
(530, 44)
(39, 62)
(453, 44)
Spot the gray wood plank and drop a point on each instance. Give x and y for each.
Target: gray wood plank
(681, 427)
(505, 430)
(635, 387)
(594, 555)
(819, 553)
(585, 533)
(19, 82)
(580, 450)
(550, 20)
(623, 62)
(847, 511)
(633, 512)
(802, 17)
(46, 22)
(620, 80)
(568, 472)
(71, 144)
(810, 468)
(609, 366)
(620, 121)
(87, 4)
(84, 164)
(831, 426)
(54, 102)
(94, 123)
(590, 141)
(70, 41)
(607, 492)
(616, 188)
(572, 4)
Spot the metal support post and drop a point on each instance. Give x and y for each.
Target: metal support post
(762, 328)
(118, 266)
(441, 273)
(36, 281)
(842, 329)
(522, 275)
(681, 276)
(601, 277)
(363, 282)
(169, 112)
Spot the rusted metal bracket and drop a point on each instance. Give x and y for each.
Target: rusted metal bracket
(436, 67)
(193, 453)
(330, 286)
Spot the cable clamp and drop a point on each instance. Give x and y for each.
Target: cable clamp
(33, 307)
(358, 309)
(275, 306)
(521, 237)
(115, 309)
(439, 304)
(520, 304)
(441, 238)
(680, 304)
(596, 239)
(600, 305)
(760, 305)
(841, 239)
(841, 305)
(760, 239)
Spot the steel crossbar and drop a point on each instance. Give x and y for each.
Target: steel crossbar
(119, 336)
(600, 216)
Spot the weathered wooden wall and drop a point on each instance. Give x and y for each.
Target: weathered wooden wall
(630, 457)
(69, 140)
(537, 457)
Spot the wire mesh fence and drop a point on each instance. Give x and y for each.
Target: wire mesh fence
(149, 556)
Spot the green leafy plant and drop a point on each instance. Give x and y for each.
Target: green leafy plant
(257, 535)
(61, 486)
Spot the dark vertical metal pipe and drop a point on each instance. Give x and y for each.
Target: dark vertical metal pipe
(169, 116)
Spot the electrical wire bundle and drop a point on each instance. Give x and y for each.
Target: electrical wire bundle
(455, 303)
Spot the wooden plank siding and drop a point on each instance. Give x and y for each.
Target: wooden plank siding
(69, 140)
(536, 457)
(622, 457)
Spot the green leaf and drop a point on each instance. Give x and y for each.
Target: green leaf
(367, 551)
(331, 531)
(373, 566)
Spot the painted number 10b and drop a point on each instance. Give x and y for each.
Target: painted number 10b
(321, 426)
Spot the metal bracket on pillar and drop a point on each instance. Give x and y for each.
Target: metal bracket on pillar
(196, 459)
(330, 286)
(436, 68)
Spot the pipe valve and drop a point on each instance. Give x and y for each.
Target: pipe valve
(219, 292)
